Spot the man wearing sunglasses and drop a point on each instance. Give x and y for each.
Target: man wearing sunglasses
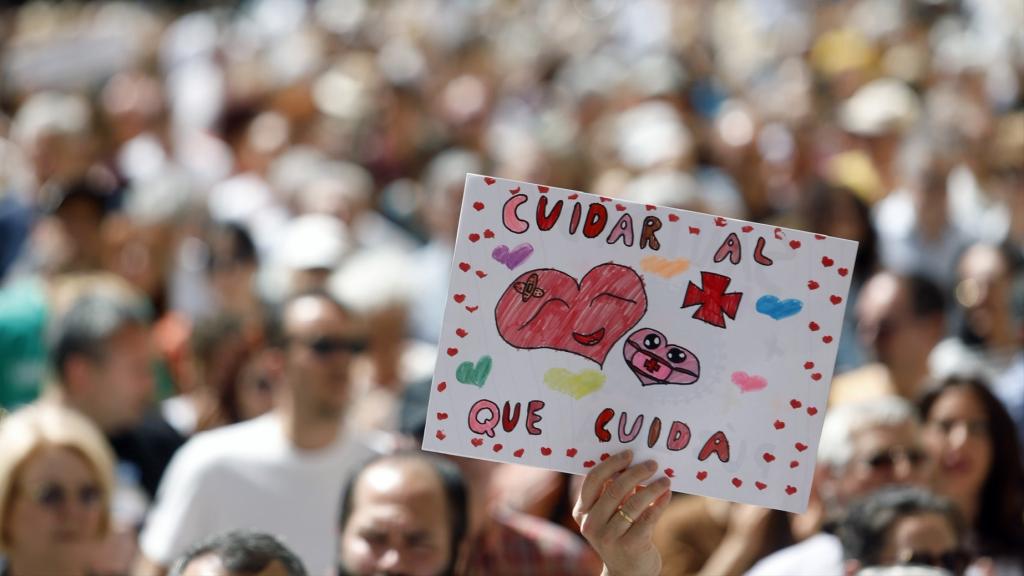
(864, 446)
(278, 473)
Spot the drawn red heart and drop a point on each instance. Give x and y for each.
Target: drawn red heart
(793, 464)
(816, 376)
(481, 274)
(488, 233)
(461, 333)
(476, 442)
(571, 452)
(474, 237)
(737, 482)
(442, 386)
(543, 189)
(442, 415)
(459, 298)
(811, 410)
(800, 446)
(702, 475)
(489, 180)
(794, 244)
(440, 435)
(670, 473)
(585, 318)
(673, 218)
(605, 456)
(694, 230)
(478, 206)
(826, 261)
(768, 457)
(747, 228)
(779, 424)
(518, 453)
(545, 451)
(808, 365)
(795, 403)
(843, 271)
(760, 485)
(790, 490)
(589, 464)
(812, 285)
(826, 339)
(819, 236)
(497, 447)
(573, 196)
(835, 299)
(620, 207)
(464, 266)
(721, 222)
(813, 326)
(472, 309)
(453, 351)
(650, 207)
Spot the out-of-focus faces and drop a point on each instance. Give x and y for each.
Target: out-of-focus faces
(883, 455)
(57, 510)
(321, 342)
(211, 565)
(400, 524)
(886, 323)
(956, 434)
(121, 382)
(984, 290)
(924, 539)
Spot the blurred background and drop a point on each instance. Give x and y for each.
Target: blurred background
(209, 158)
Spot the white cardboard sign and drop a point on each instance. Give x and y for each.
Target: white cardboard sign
(577, 326)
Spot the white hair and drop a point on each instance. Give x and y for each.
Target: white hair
(843, 422)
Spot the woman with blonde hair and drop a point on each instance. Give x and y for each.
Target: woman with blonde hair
(56, 481)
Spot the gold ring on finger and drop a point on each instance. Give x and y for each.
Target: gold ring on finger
(626, 516)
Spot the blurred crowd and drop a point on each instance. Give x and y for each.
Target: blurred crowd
(226, 232)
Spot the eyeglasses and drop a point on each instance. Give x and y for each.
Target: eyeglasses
(327, 345)
(54, 496)
(955, 561)
(886, 459)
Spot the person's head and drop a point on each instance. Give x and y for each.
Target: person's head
(102, 356)
(984, 293)
(231, 265)
(868, 445)
(317, 338)
(220, 350)
(403, 514)
(901, 318)
(973, 442)
(56, 478)
(903, 525)
(837, 211)
(239, 554)
(443, 184)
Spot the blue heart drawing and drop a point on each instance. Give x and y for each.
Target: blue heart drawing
(778, 309)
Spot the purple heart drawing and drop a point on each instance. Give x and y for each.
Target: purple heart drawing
(513, 257)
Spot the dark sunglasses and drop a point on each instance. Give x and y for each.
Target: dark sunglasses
(326, 345)
(955, 561)
(888, 458)
(54, 496)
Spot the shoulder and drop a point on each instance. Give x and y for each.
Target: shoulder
(226, 443)
(819, 554)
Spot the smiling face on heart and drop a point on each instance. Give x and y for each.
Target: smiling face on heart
(547, 308)
(655, 361)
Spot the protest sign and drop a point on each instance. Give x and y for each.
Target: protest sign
(578, 325)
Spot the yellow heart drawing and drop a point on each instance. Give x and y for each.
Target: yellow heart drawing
(575, 385)
(664, 267)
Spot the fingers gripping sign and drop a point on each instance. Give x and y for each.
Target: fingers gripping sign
(617, 514)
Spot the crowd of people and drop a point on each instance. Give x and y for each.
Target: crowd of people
(226, 232)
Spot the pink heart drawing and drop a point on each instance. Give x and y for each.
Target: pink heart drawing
(547, 308)
(512, 257)
(748, 382)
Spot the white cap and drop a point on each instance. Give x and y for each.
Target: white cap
(314, 241)
(882, 106)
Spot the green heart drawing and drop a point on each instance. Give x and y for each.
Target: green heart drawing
(575, 385)
(467, 373)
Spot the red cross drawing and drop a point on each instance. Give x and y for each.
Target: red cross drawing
(712, 301)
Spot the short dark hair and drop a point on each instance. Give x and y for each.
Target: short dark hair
(865, 528)
(90, 322)
(240, 551)
(926, 298)
(274, 323)
(452, 483)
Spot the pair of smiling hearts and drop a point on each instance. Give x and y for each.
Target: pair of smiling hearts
(547, 308)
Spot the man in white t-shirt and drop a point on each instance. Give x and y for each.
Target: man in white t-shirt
(280, 473)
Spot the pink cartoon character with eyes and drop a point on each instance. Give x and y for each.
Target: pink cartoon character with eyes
(654, 361)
